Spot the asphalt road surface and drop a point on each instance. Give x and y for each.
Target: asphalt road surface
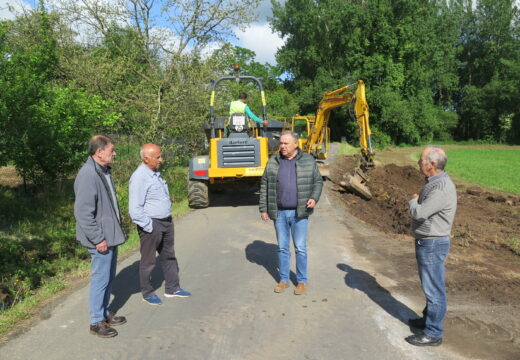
(228, 260)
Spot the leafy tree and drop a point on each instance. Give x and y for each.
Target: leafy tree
(404, 50)
(45, 126)
(488, 102)
(280, 103)
(157, 75)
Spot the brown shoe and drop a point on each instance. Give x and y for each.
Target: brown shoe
(114, 320)
(300, 289)
(102, 329)
(282, 285)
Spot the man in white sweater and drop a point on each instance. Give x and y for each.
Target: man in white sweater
(432, 211)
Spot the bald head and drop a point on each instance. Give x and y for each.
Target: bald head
(151, 156)
(148, 148)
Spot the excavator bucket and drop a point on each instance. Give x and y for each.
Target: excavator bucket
(324, 169)
(356, 183)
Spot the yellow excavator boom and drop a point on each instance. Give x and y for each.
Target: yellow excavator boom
(316, 141)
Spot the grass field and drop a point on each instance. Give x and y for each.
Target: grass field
(490, 167)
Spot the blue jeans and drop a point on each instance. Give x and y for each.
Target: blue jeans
(286, 224)
(101, 277)
(431, 254)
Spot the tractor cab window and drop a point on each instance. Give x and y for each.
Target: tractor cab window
(300, 127)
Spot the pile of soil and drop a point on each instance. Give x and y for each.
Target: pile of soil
(482, 259)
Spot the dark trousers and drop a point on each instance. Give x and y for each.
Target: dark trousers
(160, 240)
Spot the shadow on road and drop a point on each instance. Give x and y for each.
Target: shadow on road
(234, 198)
(126, 283)
(266, 255)
(363, 281)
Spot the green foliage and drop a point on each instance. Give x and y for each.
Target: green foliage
(45, 126)
(36, 240)
(280, 103)
(514, 245)
(433, 71)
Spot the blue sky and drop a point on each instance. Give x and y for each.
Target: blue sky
(258, 37)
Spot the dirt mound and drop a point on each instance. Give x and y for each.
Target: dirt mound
(485, 254)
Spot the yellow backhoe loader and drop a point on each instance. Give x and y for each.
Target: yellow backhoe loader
(315, 134)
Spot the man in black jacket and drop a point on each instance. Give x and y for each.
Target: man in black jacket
(290, 188)
(98, 228)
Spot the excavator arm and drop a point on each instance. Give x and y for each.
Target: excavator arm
(316, 142)
(334, 99)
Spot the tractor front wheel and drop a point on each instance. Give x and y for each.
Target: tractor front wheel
(198, 195)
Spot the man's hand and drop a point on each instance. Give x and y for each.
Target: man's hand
(311, 203)
(415, 197)
(265, 122)
(264, 216)
(102, 247)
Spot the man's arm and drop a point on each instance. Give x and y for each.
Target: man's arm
(262, 204)
(251, 115)
(136, 198)
(318, 183)
(85, 208)
(430, 205)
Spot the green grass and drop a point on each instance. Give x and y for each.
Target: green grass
(494, 168)
(514, 245)
(346, 149)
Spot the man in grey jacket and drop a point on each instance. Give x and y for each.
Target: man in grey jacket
(98, 228)
(432, 211)
(290, 188)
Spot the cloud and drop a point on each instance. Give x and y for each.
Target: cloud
(260, 39)
(9, 9)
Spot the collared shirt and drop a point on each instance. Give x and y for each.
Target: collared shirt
(434, 177)
(149, 197)
(105, 170)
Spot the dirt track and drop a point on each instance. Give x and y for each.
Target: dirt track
(483, 273)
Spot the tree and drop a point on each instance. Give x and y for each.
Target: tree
(489, 76)
(157, 74)
(404, 50)
(44, 126)
(280, 103)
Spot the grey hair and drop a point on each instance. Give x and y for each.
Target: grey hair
(294, 135)
(141, 154)
(98, 142)
(438, 156)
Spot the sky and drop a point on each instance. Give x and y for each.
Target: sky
(258, 37)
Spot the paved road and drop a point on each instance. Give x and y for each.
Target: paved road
(228, 261)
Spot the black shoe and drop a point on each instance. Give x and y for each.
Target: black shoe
(423, 340)
(102, 329)
(114, 320)
(417, 323)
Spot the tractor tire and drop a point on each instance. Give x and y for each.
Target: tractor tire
(198, 195)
